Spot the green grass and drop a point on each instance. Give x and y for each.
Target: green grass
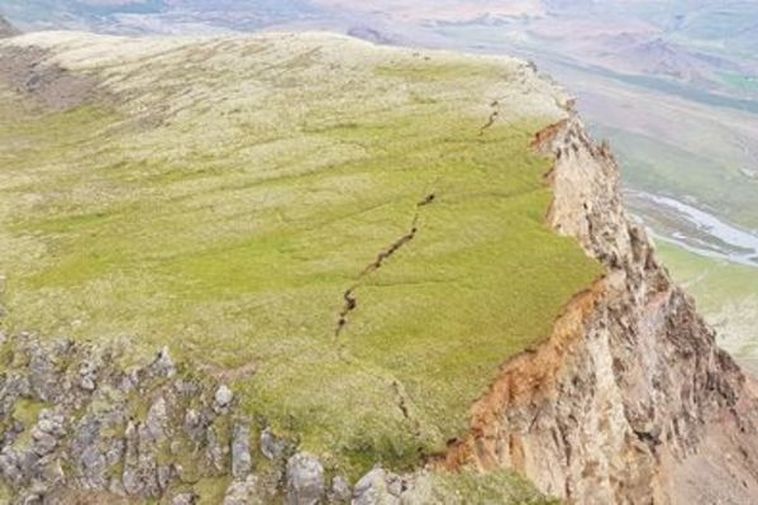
(659, 167)
(494, 487)
(230, 228)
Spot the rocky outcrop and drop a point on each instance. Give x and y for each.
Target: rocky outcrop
(630, 400)
(72, 422)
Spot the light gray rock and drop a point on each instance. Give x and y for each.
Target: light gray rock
(91, 465)
(271, 446)
(214, 453)
(243, 492)
(129, 381)
(372, 489)
(196, 423)
(154, 429)
(241, 459)
(163, 366)
(52, 423)
(340, 491)
(305, 480)
(131, 480)
(222, 399)
(43, 377)
(88, 376)
(43, 443)
(184, 499)
(10, 466)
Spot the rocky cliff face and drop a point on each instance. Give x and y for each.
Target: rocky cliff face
(630, 401)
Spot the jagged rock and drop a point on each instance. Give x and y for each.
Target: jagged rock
(163, 366)
(222, 399)
(16, 386)
(43, 376)
(271, 446)
(131, 460)
(195, 425)
(129, 381)
(140, 475)
(241, 460)
(155, 423)
(164, 475)
(52, 422)
(214, 453)
(43, 443)
(340, 491)
(243, 492)
(373, 489)
(184, 499)
(10, 466)
(305, 480)
(88, 376)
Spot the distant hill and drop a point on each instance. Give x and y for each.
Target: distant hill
(7, 29)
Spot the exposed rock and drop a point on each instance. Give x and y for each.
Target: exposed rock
(223, 398)
(241, 460)
(88, 375)
(214, 452)
(305, 480)
(271, 446)
(153, 431)
(373, 489)
(340, 491)
(184, 499)
(243, 493)
(163, 366)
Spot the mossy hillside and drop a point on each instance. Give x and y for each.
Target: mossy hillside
(227, 211)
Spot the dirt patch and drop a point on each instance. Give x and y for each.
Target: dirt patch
(24, 70)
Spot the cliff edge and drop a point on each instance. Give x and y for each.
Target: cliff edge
(631, 400)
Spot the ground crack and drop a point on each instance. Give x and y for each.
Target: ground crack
(403, 406)
(349, 296)
(491, 120)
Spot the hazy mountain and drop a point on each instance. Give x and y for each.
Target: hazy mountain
(7, 29)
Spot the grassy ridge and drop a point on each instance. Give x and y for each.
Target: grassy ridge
(228, 217)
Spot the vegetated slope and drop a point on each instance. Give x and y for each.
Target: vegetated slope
(353, 237)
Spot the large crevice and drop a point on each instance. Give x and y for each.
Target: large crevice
(491, 119)
(350, 299)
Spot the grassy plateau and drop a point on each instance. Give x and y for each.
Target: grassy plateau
(236, 198)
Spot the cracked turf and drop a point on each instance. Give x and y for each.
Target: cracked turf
(350, 300)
